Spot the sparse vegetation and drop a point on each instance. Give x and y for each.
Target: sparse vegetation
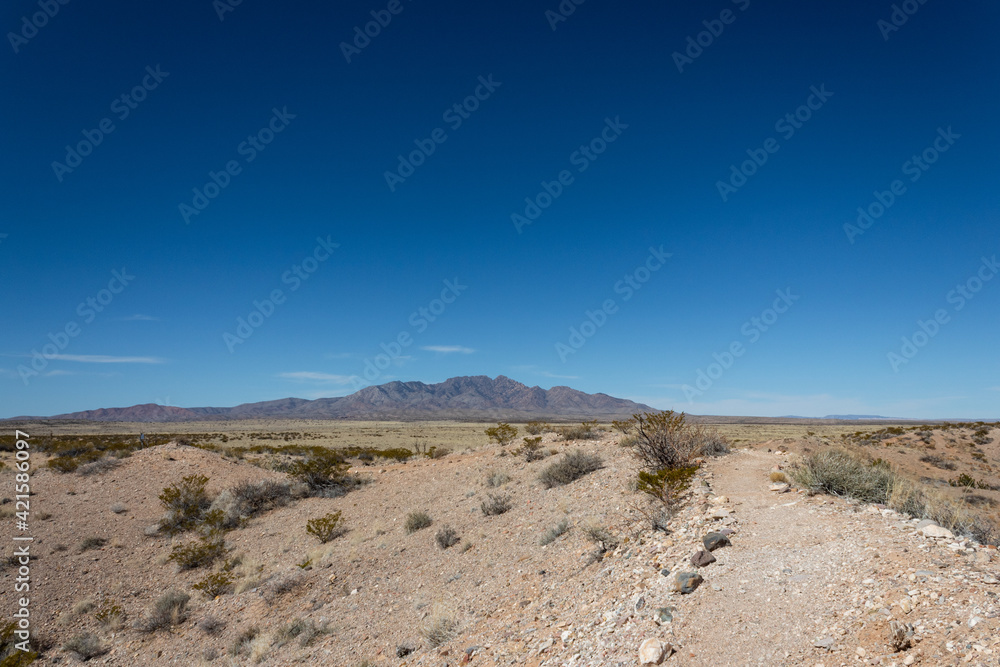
(585, 431)
(447, 537)
(938, 462)
(169, 609)
(326, 528)
(10, 654)
(323, 471)
(185, 502)
(495, 504)
(99, 466)
(532, 449)
(496, 479)
(111, 616)
(247, 499)
(86, 645)
(201, 553)
(779, 477)
(211, 625)
(440, 629)
(503, 434)
(417, 521)
(667, 440)
(535, 427)
(572, 467)
(215, 584)
(553, 533)
(600, 536)
(92, 543)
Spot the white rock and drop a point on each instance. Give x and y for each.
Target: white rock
(910, 659)
(719, 500)
(780, 487)
(937, 531)
(652, 651)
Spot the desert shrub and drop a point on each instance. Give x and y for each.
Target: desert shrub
(666, 440)
(326, 528)
(585, 431)
(664, 488)
(532, 449)
(185, 503)
(600, 536)
(215, 584)
(247, 499)
(281, 584)
(839, 473)
(92, 543)
(495, 479)
(211, 625)
(553, 533)
(110, 615)
(398, 454)
(572, 467)
(495, 504)
(440, 629)
(97, 467)
(535, 427)
(503, 434)
(447, 537)
(437, 452)
(967, 481)
(169, 609)
(779, 477)
(84, 606)
(10, 655)
(201, 553)
(417, 521)
(241, 644)
(302, 628)
(323, 471)
(86, 645)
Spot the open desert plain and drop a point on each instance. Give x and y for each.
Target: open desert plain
(442, 546)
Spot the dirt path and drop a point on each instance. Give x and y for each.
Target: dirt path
(802, 570)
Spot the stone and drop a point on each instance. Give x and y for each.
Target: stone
(923, 524)
(719, 514)
(702, 558)
(727, 531)
(714, 541)
(937, 531)
(718, 500)
(824, 642)
(905, 605)
(780, 487)
(663, 615)
(652, 651)
(687, 582)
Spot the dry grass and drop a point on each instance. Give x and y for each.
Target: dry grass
(572, 467)
(778, 476)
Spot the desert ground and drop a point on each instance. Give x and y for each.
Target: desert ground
(466, 554)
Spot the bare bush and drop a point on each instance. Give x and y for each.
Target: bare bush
(447, 537)
(86, 645)
(495, 504)
(417, 521)
(666, 440)
(572, 467)
(553, 533)
(169, 609)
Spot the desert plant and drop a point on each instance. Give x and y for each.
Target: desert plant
(495, 504)
(585, 431)
(92, 543)
(600, 536)
(532, 449)
(86, 645)
(211, 625)
(572, 467)
(447, 537)
(215, 584)
(535, 427)
(779, 477)
(839, 473)
(11, 654)
(185, 503)
(241, 644)
(99, 466)
(169, 609)
(247, 499)
(323, 471)
(110, 615)
(201, 553)
(495, 479)
(666, 440)
(503, 434)
(966, 481)
(553, 533)
(440, 629)
(326, 528)
(417, 521)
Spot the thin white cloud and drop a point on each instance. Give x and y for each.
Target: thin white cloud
(139, 318)
(309, 376)
(448, 349)
(106, 359)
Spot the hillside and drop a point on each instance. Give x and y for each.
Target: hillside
(470, 398)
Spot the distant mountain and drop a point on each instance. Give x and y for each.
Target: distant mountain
(474, 398)
(858, 417)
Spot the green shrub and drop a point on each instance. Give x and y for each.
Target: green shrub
(201, 553)
(110, 615)
(185, 503)
(553, 533)
(666, 440)
(503, 434)
(572, 467)
(532, 449)
(417, 521)
(326, 528)
(216, 584)
(323, 471)
(967, 481)
(495, 504)
(535, 427)
(10, 655)
(85, 645)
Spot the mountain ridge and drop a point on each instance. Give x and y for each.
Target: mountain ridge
(463, 397)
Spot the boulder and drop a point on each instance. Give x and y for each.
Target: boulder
(702, 558)
(687, 582)
(713, 541)
(653, 651)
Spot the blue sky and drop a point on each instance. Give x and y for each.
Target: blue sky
(249, 159)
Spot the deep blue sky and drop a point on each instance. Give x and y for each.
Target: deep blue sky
(161, 339)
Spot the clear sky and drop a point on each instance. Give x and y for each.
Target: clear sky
(563, 193)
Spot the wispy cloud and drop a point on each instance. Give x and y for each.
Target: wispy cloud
(448, 349)
(309, 376)
(106, 359)
(139, 318)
